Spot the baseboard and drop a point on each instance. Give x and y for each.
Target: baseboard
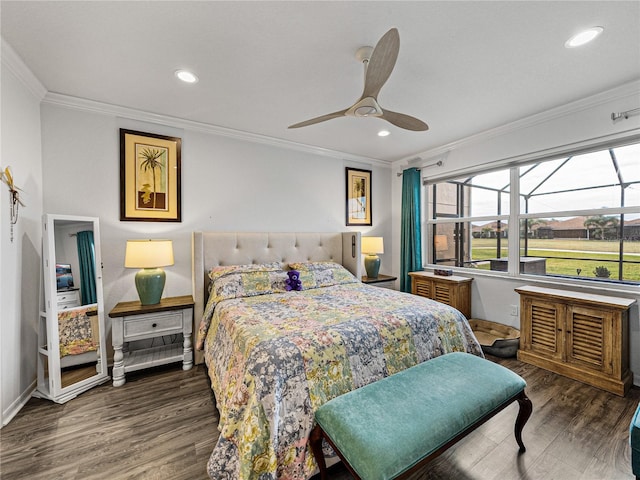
(16, 406)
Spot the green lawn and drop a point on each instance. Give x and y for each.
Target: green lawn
(597, 251)
(584, 245)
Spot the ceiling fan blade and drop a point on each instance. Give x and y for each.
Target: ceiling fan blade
(381, 63)
(322, 118)
(404, 121)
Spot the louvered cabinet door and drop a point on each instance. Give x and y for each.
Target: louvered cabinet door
(423, 288)
(443, 294)
(589, 338)
(544, 329)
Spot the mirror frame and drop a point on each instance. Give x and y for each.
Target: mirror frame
(49, 382)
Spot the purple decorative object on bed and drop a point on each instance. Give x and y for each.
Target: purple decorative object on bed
(293, 282)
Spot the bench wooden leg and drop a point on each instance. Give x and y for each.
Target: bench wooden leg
(526, 407)
(315, 439)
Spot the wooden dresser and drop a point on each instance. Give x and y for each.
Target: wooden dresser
(578, 335)
(452, 290)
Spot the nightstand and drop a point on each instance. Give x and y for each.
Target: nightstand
(385, 281)
(134, 321)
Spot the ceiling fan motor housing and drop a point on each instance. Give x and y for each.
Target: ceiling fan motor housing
(366, 107)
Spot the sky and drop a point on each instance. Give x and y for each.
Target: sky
(553, 178)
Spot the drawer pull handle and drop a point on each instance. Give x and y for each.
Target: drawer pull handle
(154, 325)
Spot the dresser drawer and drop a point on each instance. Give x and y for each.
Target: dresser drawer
(68, 299)
(153, 325)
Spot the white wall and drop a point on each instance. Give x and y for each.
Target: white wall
(20, 258)
(572, 126)
(228, 184)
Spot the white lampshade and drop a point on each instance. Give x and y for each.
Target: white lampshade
(148, 253)
(372, 245)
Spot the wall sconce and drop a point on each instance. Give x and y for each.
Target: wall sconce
(149, 256)
(371, 246)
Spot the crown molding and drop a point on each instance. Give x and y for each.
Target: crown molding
(626, 90)
(165, 120)
(12, 61)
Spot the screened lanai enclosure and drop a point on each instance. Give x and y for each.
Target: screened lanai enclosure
(577, 216)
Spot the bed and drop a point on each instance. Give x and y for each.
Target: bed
(275, 355)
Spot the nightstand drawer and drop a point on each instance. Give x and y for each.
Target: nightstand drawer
(152, 325)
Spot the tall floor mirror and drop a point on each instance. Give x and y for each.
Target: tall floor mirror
(71, 340)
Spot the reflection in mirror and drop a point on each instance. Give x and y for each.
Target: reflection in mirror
(87, 261)
(71, 345)
(79, 338)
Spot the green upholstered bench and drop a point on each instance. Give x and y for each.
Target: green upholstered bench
(390, 428)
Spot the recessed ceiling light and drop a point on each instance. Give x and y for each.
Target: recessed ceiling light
(583, 37)
(186, 76)
(383, 133)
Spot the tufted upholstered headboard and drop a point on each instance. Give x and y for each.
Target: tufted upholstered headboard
(210, 249)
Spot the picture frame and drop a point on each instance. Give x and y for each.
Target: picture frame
(358, 197)
(150, 178)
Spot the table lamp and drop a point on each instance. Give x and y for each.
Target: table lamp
(149, 256)
(371, 246)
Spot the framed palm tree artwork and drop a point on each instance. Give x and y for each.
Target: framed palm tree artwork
(149, 177)
(358, 195)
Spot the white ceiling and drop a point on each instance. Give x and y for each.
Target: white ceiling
(464, 66)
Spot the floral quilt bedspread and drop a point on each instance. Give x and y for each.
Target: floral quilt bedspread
(274, 356)
(78, 330)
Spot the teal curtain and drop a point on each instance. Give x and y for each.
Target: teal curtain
(87, 259)
(410, 228)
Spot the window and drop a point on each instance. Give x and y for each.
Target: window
(471, 217)
(577, 216)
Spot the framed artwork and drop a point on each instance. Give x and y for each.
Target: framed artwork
(149, 177)
(358, 196)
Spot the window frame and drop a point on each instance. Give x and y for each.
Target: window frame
(515, 216)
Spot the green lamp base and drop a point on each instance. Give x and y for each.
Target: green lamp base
(150, 284)
(372, 265)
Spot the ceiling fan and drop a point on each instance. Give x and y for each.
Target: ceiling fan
(378, 63)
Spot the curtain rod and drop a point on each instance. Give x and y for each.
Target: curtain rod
(437, 164)
(616, 116)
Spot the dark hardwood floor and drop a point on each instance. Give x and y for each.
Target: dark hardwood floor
(162, 424)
